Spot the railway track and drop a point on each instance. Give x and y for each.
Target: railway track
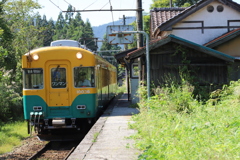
(56, 150)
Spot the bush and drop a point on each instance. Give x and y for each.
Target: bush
(174, 125)
(11, 100)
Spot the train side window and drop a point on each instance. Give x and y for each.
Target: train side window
(33, 78)
(58, 77)
(84, 77)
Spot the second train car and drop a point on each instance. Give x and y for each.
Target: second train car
(65, 86)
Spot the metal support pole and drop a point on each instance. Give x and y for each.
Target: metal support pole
(147, 54)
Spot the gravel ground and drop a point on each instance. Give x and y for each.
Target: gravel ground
(29, 147)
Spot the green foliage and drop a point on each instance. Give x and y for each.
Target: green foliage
(146, 24)
(185, 3)
(11, 135)
(146, 28)
(5, 39)
(134, 44)
(11, 101)
(175, 3)
(121, 70)
(73, 27)
(174, 125)
(161, 3)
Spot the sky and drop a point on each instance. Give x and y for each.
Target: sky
(52, 8)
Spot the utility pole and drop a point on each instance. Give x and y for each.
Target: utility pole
(139, 23)
(124, 19)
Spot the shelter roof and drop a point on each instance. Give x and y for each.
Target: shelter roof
(172, 38)
(120, 57)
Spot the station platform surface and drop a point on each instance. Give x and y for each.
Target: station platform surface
(108, 139)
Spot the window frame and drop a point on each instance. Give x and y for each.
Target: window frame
(37, 86)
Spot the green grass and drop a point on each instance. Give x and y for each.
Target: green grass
(176, 126)
(95, 137)
(11, 135)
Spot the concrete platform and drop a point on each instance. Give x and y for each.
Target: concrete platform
(108, 138)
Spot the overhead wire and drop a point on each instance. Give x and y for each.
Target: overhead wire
(89, 5)
(104, 6)
(56, 5)
(70, 5)
(67, 2)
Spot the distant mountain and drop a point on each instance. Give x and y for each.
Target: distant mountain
(100, 31)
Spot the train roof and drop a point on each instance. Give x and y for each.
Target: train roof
(65, 42)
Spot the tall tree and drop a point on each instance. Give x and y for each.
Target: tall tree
(175, 3)
(18, 14)
(49, 32)
(69, 14)
(89, 36)
(185, 3)
(78, 25)
(161, 3)
(21, 36)
(5, 39)
(59, 34)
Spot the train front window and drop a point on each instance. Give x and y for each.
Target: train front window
(84, 77)
(33, 78)
(58, 77)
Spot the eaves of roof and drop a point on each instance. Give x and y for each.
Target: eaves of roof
(172, 38)
(124, 53)
(223, 38)
(192, 9)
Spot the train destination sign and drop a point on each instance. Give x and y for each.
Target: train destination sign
(34, 71)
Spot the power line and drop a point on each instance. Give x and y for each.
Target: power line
(93, 10)
(67, 2)
(55, 5)
(104, 5)
(90, 5)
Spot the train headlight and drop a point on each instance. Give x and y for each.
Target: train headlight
(79, 55)
(35, 57)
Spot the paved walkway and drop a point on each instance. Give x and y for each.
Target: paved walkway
(108, 138)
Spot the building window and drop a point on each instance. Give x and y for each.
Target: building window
(210, 8)
(135, 70)
(219, 8)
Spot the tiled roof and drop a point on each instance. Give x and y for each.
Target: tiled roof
(223, 38)
(161, 15)
(188, 11)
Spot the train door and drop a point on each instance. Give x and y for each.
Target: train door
(58, 78)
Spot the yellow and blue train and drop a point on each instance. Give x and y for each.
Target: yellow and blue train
(65, 86)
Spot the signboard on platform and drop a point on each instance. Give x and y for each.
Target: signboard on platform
(119, 38)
